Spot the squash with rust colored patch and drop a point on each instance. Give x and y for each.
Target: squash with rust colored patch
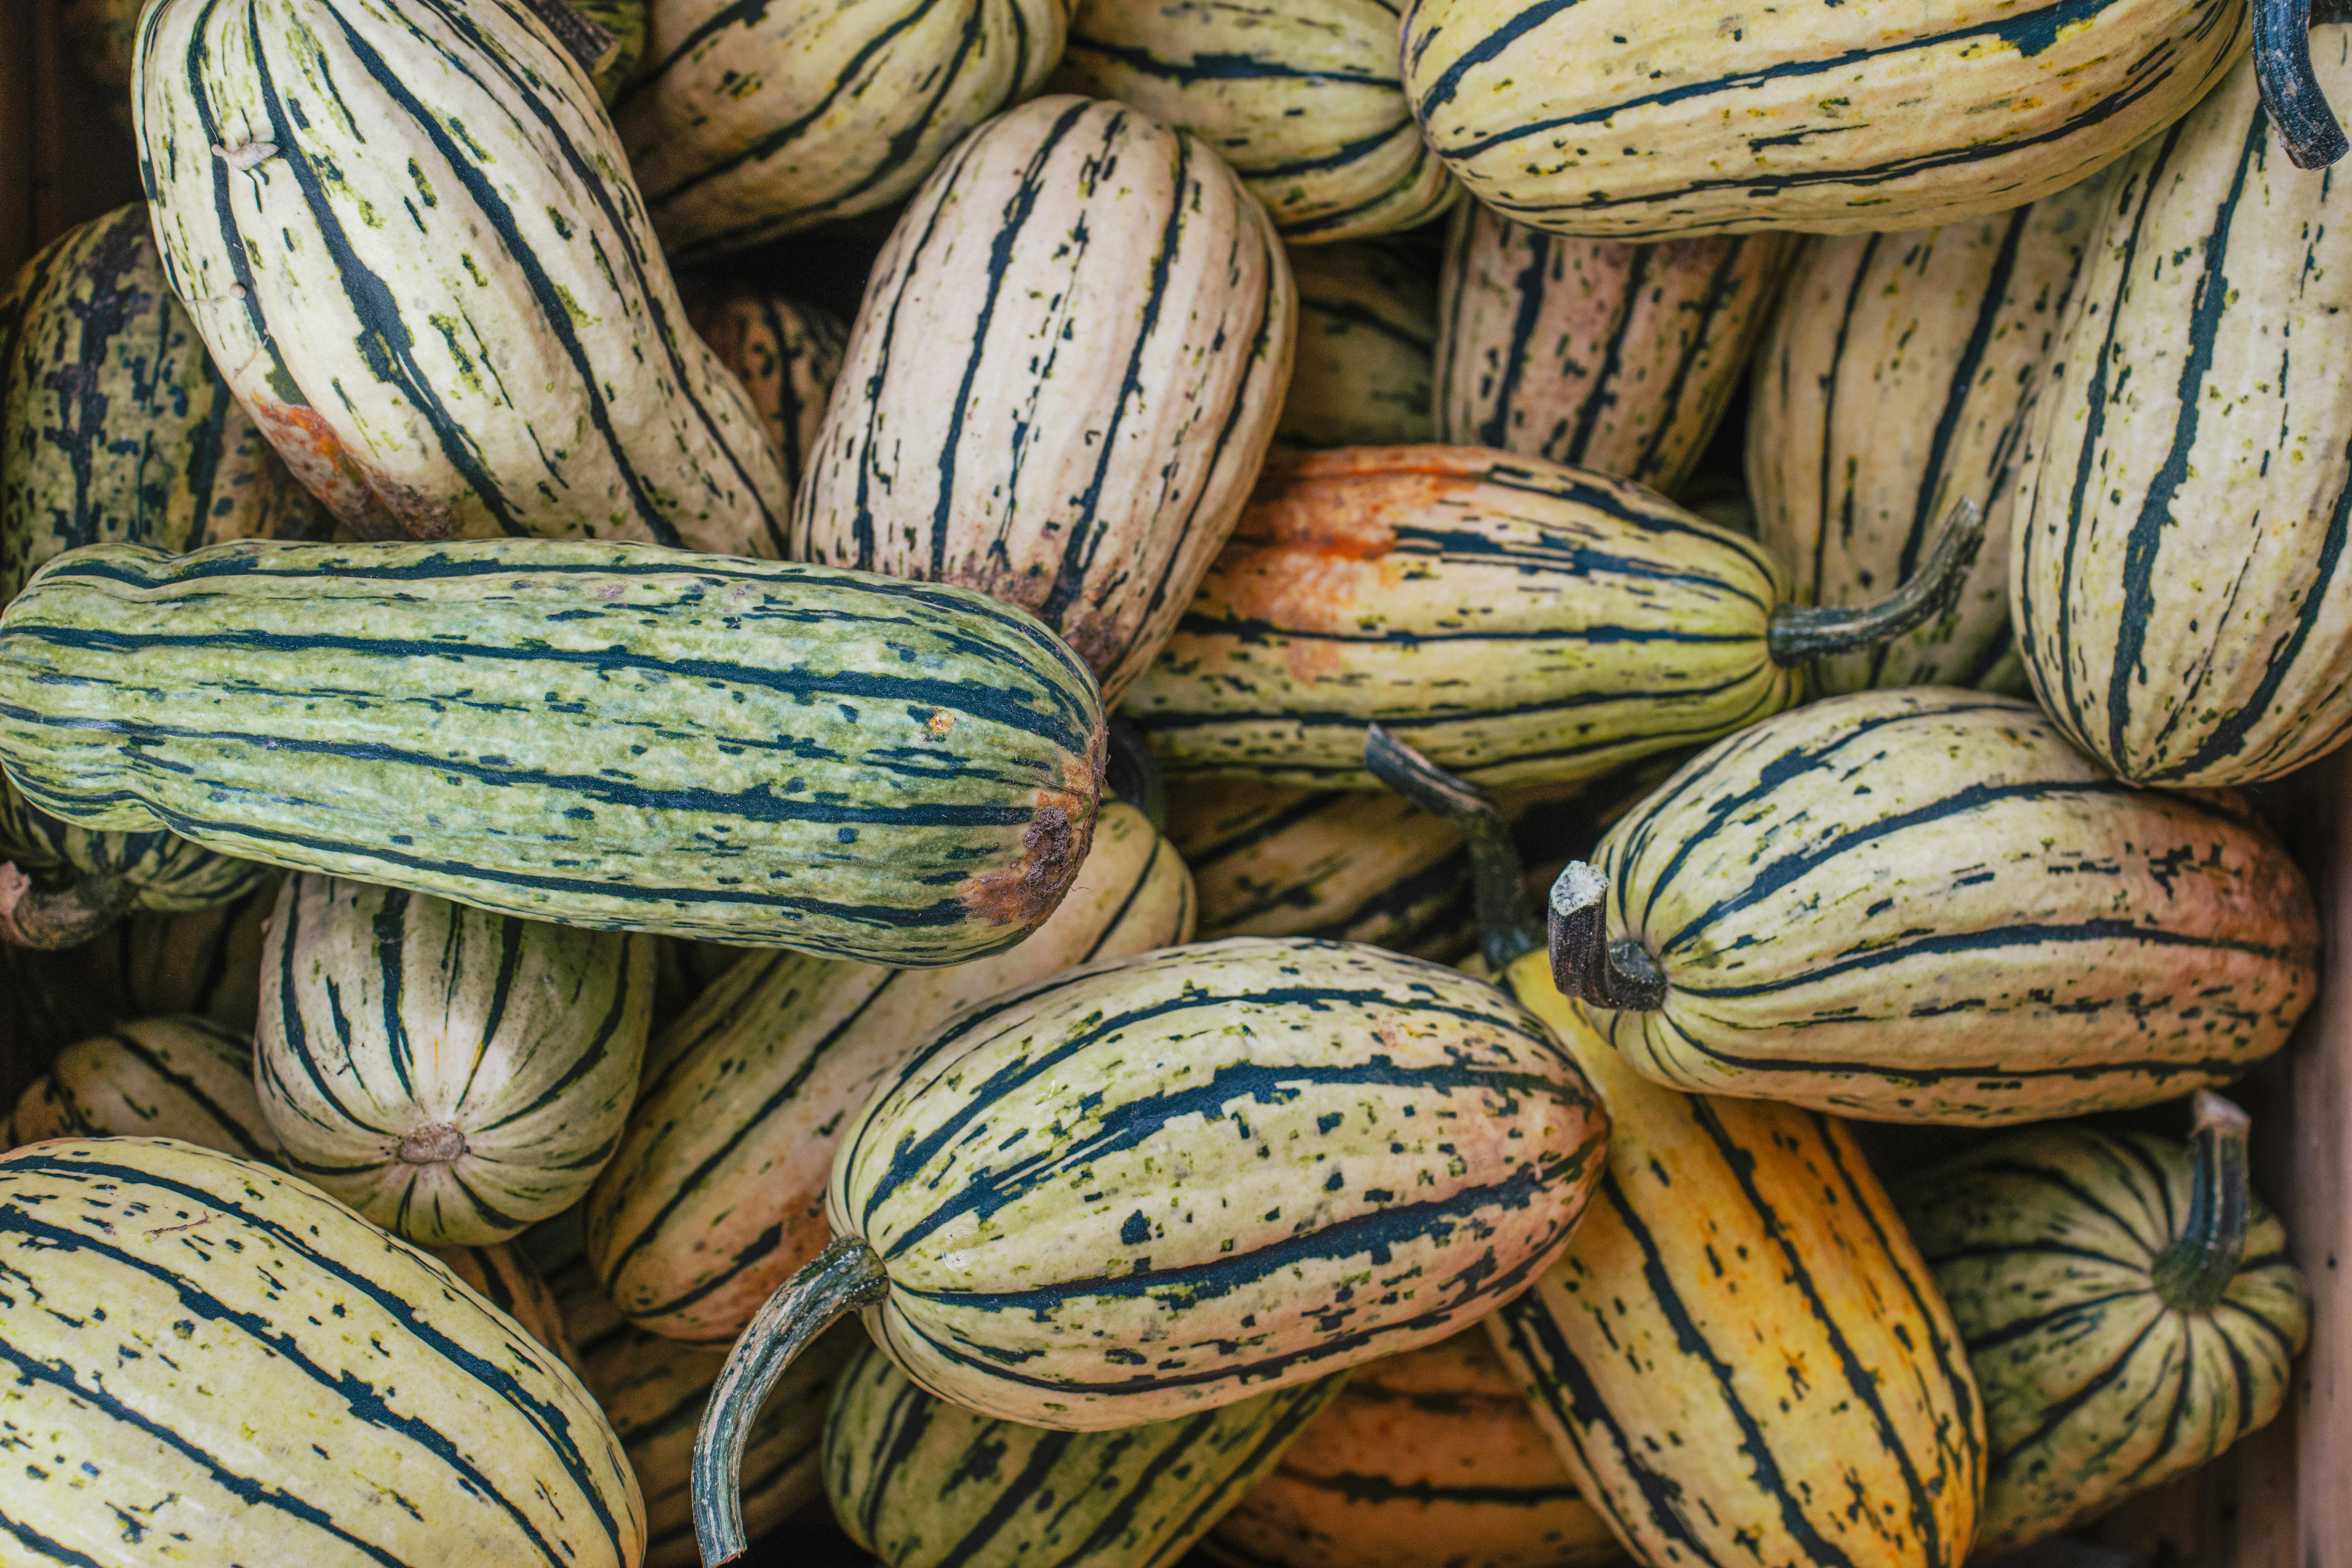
(1428, 1460)
(63, 884)
(786, 353)
(1521, 622)
(1367, 335)
(1599, 353)
(1063, 426)
(153, 1077)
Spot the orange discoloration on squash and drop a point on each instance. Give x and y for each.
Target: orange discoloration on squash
(1054, 846)
(371, 505)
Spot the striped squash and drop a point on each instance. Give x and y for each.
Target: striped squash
(1367, 335)
(1629, 120)
(751, 121)
(1593, 352)
(1894, 382)
(506, 1279)
(1301, 97)
(921, 1484)
(1428, 1460)
(571, 732)
(2129, 1306)
(624, 22)
(216, 1354)
(207, 962)
(426, 273)
(2180, 565)
(63, 884)
(179, 1077)
(1070, 426)
(451, 1074)
(715, 1193)
(114, 425)
(786, 353)
(1521, 622)
(1923, 905)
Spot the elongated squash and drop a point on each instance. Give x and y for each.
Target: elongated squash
(226, 1365)
(1634, 121)
(1367, 334)
(1301, 97)
(179, 1077)
(2127, 1303)
(1895, 382)
(505, 1279)
(1428, 1460)
(207, 962)
(114, 424)
(921, 1484)
(1521, 622)
(63, 884)
(609, 735)
(2179, 548)
(408, 234)
(451, 1074)
(1069, 426)
(786, 353)
(1923, 905)
(1597, 353)
(715, 1193)
(1741, 1286)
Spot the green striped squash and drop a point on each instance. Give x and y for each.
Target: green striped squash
(1597, 353)
(451, 1074)
(63, 884)
(2128, 1305)
(207, 962)
(1894, 382)
(749, 123)
(1301, 97)
(426, 273)
(114, 425)
(922, 1484)
(217, 1354)
(786, 353)
(1366, 337)
(1069, 426)
(1428, 1460)
(715, 1193)
(179, 1077)
(2178, 567)
(609, 735)
(1923, 905)
(624, 22)
(1629, 120)
(503, 1277)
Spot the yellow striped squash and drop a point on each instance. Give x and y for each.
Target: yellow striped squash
(225, 1365)
(425, 271)
(1632, 120)
(2129, 1306)
(1367, 333)
(1598, 354)
(451, 1074)
(1894, 382)
(206, 962)
(1923, 905)
(2177, 565)
(1301, 97)
(785, 352)
(1428, 1460)
(503, 1277)
(179, 1077)
(716, 1192)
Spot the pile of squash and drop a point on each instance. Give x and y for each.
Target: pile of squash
(1476, 787)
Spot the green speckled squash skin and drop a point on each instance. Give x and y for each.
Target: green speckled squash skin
(922, 1484)
(607, 735)
(625, 21)
(152, 1078)
(160, 870)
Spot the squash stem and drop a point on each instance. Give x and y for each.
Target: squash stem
(2194, 1273)
(62, 917)
(1135, 776)
(1507, 926)
(2299, 110)
(844, 1277)
(1584, 963)
(1799, 634)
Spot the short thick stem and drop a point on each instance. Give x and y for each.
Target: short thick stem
(1799, 634)
(1584, 963)
(2298, 109)
(1135, 776)
(1507, 926)
(844, 1277)
(59, 917)
(2194, 1273)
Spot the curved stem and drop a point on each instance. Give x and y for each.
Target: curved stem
(1798, 634)
(1135, 776)
(59, 917)
(1507, 926)
(2193, 1274)
(1584, 963)
(2299, 110)
(842, 1278)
